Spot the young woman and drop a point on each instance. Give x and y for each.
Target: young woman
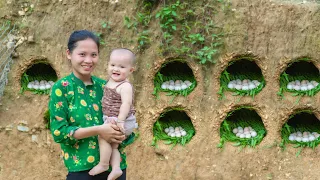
(76, 115)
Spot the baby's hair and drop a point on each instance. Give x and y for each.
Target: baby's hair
(133, 56)
(80, 36)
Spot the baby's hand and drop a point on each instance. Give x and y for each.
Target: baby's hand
(121, 126)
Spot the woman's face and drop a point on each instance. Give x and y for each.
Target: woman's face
(84, 58)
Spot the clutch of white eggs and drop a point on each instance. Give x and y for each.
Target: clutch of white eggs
(245, 84)
(175, 131)
(176, 85)
(304, 136)
(303, 85)
(246, 132)
(40, 85)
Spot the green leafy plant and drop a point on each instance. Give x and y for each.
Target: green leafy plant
(106, 25)
(172, 117)
(243, 116)
(130, 23)
(99, 35)
(168, 16)
(143, 40)
(46, 118)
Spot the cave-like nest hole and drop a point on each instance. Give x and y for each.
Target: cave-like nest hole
(302, 128)
(174, 126)
(176, 78)
(243, 77)
(38, 78)
(300, 78)
(242, 126)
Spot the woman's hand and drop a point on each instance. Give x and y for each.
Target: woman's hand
(111, 133)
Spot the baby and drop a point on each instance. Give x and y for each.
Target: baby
(117, 107)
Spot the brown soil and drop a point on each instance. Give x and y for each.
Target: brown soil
(274, 32)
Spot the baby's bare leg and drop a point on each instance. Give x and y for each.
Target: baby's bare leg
(105, 153)
(115, 163)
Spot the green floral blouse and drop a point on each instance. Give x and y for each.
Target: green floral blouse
(73, 105)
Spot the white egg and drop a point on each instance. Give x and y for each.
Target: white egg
(240, 131)
(169, 133)
(51, 83)
(298, 139)
(246, 132)
(297, 87)
(163, 86)
(238, 134)
(292, 138)
(238, 81)
(235, 130)
(171, 82)
(248, 135)
(239, 127)
(304, 88)
(312, 138)
(238, 87)
(299, 134)
(310, 86)
(297, 82)
(184, 86)
(42, 87)
(253, 134)
(177, 88)
(316, 136)
(177, 129)
(171, 127)
(36, 81)
(304, 82)
(231, 85)
(305, 136)
(173, 135)
(171, 130)
(30, 85)
(171, 87)
(36, 86)
(244, 87)
(187, 82)
(314, 83)
(48, 86)
(246, 129)
(252, 86)
(305, 139)
(242, 136)
(183, 133)
(245, 81)
(178, 134)
(166, 130)
(289, 86)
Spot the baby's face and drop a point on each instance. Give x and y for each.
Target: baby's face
(120, 67)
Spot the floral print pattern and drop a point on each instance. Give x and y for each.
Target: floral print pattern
(70, 108)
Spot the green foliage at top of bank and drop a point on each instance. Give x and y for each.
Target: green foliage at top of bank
(187, 28)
